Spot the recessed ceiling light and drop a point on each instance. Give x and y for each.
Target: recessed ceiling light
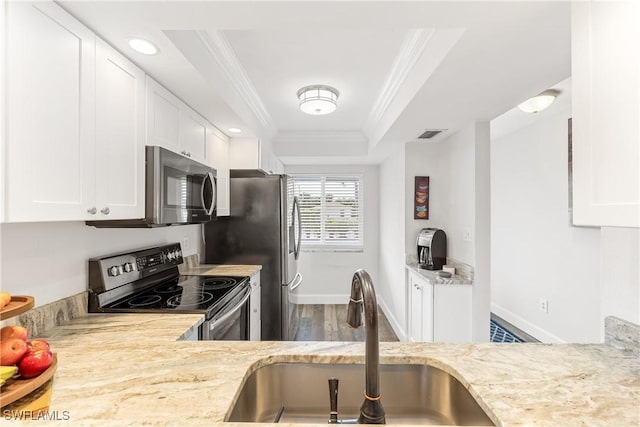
(143, 46)
(235, 130)
(318, 99)
(539, 102)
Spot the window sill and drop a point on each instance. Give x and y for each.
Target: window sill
(334, 250)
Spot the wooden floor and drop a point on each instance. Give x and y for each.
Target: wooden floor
(329, 323)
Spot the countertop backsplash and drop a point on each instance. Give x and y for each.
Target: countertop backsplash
(622, 335)
(48, 316)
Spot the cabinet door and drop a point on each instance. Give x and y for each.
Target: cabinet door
(163, 117)
(605, 106)
(218, 158)
(50, 114)
(120, 161)
(421, 309)
(415, 311)
(244, 153)
(255, 321)
(452, 313)
(193, 135)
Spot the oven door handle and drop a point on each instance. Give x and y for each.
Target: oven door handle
(227, 315)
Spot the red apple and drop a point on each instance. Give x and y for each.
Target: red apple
(14, 331)
(34, 363)
(11, 350)
(35, 345)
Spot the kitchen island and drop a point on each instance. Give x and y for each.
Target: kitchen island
(131, 369)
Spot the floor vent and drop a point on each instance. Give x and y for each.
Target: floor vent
(430, 133)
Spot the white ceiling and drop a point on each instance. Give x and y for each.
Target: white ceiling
(400, 67)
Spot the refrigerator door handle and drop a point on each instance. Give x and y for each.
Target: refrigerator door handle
(297, 222)
(297, 281)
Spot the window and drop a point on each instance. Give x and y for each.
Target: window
(330, 211)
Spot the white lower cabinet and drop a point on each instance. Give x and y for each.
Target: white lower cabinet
(438, 313)
(421, 309)
(255, 323)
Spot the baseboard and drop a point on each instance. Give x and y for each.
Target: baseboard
(533, 330)
(320, 299)
(395, 325)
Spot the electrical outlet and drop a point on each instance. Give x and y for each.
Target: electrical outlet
(544, 305)
(466, 235)
(185, 244)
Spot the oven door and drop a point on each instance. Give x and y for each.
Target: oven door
(232, 322)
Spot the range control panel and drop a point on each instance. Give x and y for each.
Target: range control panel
(111, 271)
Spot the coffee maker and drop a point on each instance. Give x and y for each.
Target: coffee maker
(432, 248)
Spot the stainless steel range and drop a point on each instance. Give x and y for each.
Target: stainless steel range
(148, 280)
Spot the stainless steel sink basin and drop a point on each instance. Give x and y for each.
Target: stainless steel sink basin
(411, 394)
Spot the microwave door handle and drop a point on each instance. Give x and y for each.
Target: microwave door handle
(233, 310)
(214, 196)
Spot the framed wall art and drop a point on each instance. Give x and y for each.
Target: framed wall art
(421, 198)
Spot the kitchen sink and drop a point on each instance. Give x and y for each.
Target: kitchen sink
(411, 394)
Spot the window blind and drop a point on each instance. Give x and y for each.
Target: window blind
(330, 210)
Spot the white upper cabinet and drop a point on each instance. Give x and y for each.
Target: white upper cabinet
(173, 125)
(75, 120)
(193, 136)
(120, 136)
(605, 96)
(50, 115)
(251, 153)
(218, 158)
(163, 117)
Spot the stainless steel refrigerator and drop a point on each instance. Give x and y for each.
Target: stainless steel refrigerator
(263, 228)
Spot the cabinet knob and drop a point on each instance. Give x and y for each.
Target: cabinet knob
(92, 210)
(105, 210)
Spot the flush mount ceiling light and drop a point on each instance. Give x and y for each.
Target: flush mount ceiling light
(318, 99)
(143, 46)
(235, 130)
(539, 102)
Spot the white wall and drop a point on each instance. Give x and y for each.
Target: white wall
(327, 274)
(620, 274)
(449, 164)
(535, 252)
(49, 260)
(391, 288)
(481, 234)
(425, 159)
(457, 187)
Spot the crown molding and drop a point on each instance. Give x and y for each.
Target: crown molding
(412, 47)
(220, 49)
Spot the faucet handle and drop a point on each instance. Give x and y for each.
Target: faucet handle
(333, 399)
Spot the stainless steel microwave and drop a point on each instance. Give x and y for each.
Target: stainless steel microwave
(178, 191)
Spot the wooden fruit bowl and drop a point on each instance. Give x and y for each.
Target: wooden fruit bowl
(18, 388)
(18, 305)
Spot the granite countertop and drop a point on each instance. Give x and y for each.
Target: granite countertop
(432, 276)
(121, 369)
(221, 270)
